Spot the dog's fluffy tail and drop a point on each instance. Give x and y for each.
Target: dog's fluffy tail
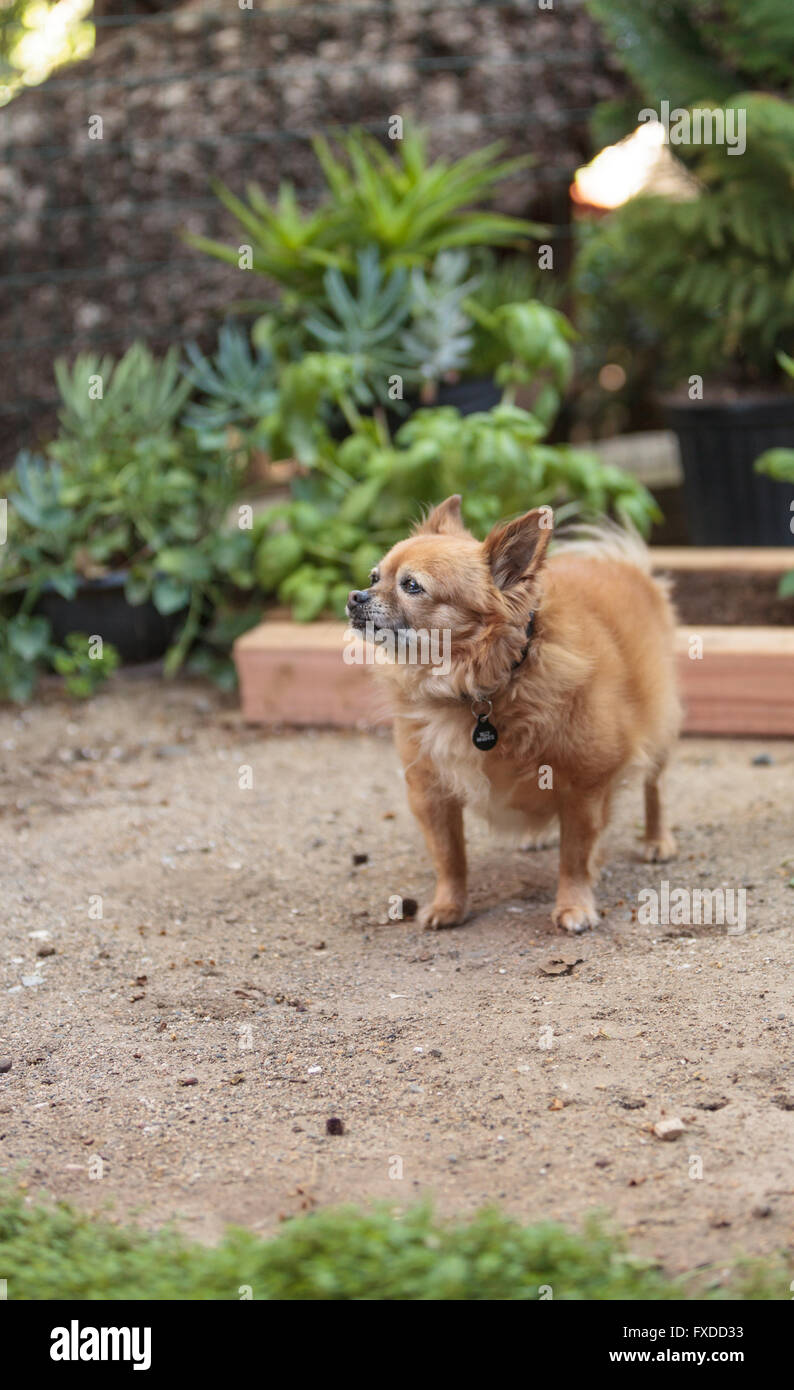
(603, 539)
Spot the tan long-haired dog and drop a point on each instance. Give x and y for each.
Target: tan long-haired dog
(561, 678)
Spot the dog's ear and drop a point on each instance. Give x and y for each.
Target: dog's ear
(445, 519)
(515, 550)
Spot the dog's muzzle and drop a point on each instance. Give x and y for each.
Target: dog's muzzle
(357, 607)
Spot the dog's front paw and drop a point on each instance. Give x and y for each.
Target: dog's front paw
(659, 850)
(574, 917)
(442, 912)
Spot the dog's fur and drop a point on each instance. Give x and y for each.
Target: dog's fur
(594, 697)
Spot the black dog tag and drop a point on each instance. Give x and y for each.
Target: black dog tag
(484, 735)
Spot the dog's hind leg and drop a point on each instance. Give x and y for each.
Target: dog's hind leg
(659, 843)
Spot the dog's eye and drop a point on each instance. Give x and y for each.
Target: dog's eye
(374, 577)
(410, 586)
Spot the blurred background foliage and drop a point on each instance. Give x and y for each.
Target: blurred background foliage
(36, 37)
(700, 280)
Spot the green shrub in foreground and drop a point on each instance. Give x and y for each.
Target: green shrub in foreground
(344, 1254)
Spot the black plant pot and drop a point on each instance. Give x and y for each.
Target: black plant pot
(99, 608)
(470, 395)
(727, 502)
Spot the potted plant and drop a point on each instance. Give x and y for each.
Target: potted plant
(383, 268)
(119, 529)
(698, 289)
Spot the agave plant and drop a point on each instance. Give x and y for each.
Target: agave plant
(364, 322)
(411, 208)
(440, 338)
(108, 404)
(239, 386)
(397, 200)
(288, 245)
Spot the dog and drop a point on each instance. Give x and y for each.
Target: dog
(561, 679)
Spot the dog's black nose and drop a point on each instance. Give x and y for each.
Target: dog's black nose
(357, 597)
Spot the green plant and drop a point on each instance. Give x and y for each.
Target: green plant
(118, 405)
(364, 322)
(28, 53)
(414, 326)
(511, 280)
(440, 338)
(536, 351)
(672, 286)
(288, 246)
(398, 201)
(239, 387)
(54, 1252)
(342, 271)
(412, 209)
(125, 486)
(779, 464)
(705, 284)
(27, 648)
(11, 31)
(691, 51)
(84, 665)
(384, 271)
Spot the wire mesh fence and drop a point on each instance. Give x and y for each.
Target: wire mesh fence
(107, 164)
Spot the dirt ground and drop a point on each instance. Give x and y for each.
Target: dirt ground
(244, 984)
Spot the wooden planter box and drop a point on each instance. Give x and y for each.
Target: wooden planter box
(743, 683)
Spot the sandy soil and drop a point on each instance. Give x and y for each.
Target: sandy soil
(244, 985)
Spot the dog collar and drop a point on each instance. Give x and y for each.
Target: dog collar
(523, 656)
(484, 735)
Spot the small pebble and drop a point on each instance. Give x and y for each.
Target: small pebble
(5, 1064)
(669, 1129)
(763, 760)
(360, 858)
(188, 1081)
(334, 1125)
